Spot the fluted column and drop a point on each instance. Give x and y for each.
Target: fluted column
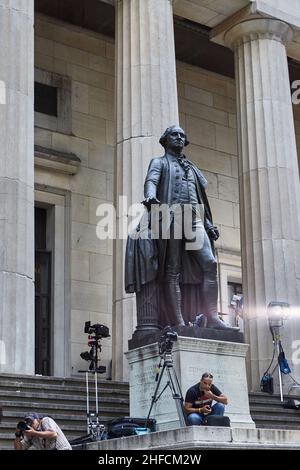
(268, 182)
(146, 96)
(16, 187)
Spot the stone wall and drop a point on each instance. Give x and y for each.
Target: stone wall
(207, 113)
(88, 59)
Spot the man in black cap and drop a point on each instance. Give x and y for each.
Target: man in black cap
(43, 434)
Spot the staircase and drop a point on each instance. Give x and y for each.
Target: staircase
(64, 399)
(267, 412)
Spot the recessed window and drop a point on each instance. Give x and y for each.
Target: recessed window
(45, 99)
(52, 101)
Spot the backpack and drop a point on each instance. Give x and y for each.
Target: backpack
(266, 384)
(292, 404)
(216, 420)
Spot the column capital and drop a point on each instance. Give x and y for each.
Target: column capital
(249, 24)
(258, 28)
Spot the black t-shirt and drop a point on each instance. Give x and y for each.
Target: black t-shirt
(197, 397)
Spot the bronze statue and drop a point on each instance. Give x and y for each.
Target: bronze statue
(184, 279)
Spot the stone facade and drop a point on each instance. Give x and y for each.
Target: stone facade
(83, 62)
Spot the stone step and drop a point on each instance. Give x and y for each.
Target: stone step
(80, 427)
(61, 389)
(267, 425)
(260, 418)
(12, 417)
(267, 412)
(266, 397)
(65, 381)
(46, 408)
(64, 399)
(60, 398)
(260, 408)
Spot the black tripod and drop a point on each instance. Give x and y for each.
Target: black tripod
(172, 383)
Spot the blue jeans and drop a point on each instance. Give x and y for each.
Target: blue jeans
(198, 418)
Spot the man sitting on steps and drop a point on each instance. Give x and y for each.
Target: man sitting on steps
(199, 398)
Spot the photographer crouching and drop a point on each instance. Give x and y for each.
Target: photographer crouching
(40, 434)
(199, 398)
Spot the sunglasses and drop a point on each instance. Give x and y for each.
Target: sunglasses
(207, 376)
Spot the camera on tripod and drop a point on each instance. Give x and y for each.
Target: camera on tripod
(166, 341)
(100, 331)
(165, 346)
(95, 332)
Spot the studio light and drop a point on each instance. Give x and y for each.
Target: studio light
(277, 312)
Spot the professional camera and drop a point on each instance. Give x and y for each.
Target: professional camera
(95, 332)
(101, 331)
(166, 340)
(22, 426)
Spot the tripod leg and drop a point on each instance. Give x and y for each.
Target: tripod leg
(96, 392)
(279, 371)
(154, 397)
(177, 395)
(87, 402)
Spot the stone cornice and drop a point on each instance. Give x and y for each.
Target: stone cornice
(54, 160)
(207, 346)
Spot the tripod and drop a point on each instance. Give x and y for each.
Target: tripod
(95, 430)
(172, 383)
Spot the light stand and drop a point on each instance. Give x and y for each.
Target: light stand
(277, 312)
(172, 383)
(276, 339)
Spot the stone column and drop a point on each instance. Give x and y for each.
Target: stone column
(146, 96)
(268, 182)
(16, 187)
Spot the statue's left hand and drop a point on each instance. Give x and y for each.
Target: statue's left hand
(213, 233)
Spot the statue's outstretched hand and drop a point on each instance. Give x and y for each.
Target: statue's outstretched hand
(213, 233)
(148, 201)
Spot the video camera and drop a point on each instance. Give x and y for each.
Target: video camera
(166, 341)
(100, 331)
(95, 332)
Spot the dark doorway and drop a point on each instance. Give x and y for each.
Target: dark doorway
(43, 330)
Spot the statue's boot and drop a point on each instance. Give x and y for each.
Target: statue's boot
(173, 300)
(210, 295)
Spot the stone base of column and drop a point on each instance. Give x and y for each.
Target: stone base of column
(191, 357)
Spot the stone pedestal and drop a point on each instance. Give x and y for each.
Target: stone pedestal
(16, 187)
(191, 358)
(203, 438)
(146, 104)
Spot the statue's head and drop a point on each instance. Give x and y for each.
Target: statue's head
(174, 137)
